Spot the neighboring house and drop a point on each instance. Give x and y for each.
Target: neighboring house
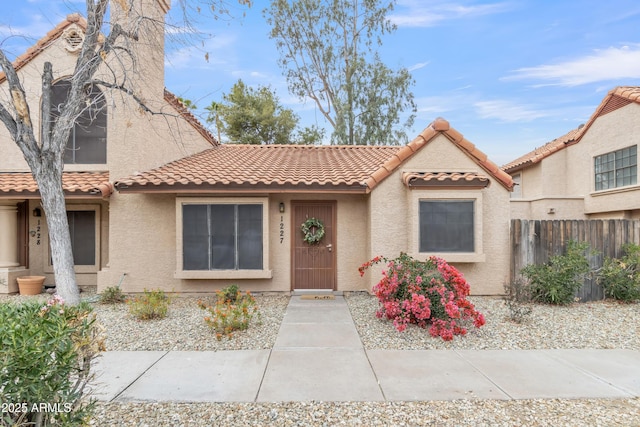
(589, 173)
(193, 216)
(108, 142)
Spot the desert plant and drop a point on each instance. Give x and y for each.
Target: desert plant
(229, 294)
(517, 298)
(226, 316)
(112, 295)
(620, 278)
(557, 281)
(45, 363)
(152, 304)
(429, 292)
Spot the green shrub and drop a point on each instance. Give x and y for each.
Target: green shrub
(620, 278)
(227, 316)
(151, 305)
(45, 362)
(112, 295)
(557, 281)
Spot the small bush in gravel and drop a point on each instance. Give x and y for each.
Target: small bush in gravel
(425, 293)
(229, 294)
(517, 298)
(620, 278)
(112, 295)
(46, 360)
(227, 316)
(151, 305)
(557, 281)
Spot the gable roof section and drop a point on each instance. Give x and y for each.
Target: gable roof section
(74, 184)
(268, 168)
(441, 126)
(79, 20)
(45, 41)
(618, 97)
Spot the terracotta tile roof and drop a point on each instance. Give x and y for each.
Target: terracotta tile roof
(184, 112)
(616, 98)
(255, 168)
(445, 179)
(82, 184)
(546, 150)
(45, 41)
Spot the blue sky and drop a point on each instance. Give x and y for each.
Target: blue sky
(509, 75)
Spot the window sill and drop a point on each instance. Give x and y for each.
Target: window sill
(615, 190)
(223, 274)
(455, 256)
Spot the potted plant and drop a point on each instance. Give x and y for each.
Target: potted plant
(30, 285)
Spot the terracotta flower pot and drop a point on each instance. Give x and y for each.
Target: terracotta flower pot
(30, 285)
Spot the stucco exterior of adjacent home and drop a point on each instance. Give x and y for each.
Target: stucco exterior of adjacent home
(165, 206)
(590, 172)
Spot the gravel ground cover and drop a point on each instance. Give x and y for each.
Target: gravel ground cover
(598, 325)
(602, 324)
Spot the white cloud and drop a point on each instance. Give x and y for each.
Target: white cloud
(603, 65)
(416, 13)
(417, 66)
(508, 111)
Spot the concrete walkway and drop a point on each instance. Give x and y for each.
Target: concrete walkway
(318, 356)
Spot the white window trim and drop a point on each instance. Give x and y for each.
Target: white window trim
(265, 273)
(414, 237)
(79, 269)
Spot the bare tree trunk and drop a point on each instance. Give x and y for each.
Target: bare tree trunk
(49, 181)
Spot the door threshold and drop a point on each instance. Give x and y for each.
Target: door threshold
(302, 292)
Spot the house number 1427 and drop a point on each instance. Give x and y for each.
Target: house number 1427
(281, 228)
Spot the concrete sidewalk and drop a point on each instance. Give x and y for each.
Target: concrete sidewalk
(318, 356)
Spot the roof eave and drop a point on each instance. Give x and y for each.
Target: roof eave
(241, 188)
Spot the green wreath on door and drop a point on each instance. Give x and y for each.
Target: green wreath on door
(313, 231)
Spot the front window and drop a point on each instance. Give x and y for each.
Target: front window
(222, 236)
(87, 142)
(617, 169)
(447, 226)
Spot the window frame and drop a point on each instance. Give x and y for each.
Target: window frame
(181, 273)
(96, 93)
(615, 169)
(475, 196)
(81, 269)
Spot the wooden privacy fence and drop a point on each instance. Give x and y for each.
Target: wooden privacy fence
(534, 242)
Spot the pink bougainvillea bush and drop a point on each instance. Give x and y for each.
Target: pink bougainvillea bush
(426, 293)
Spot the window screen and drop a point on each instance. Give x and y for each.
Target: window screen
(82, 227)
(222, 237)
(88, 139)
(446, 226)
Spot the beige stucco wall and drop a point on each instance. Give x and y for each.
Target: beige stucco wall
(565, 181)
(146, 248)
(394, 218)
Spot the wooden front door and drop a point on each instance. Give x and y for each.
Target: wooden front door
(314, 265)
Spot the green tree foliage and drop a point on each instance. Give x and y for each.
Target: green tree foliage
(255, 116)
(328, 52)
